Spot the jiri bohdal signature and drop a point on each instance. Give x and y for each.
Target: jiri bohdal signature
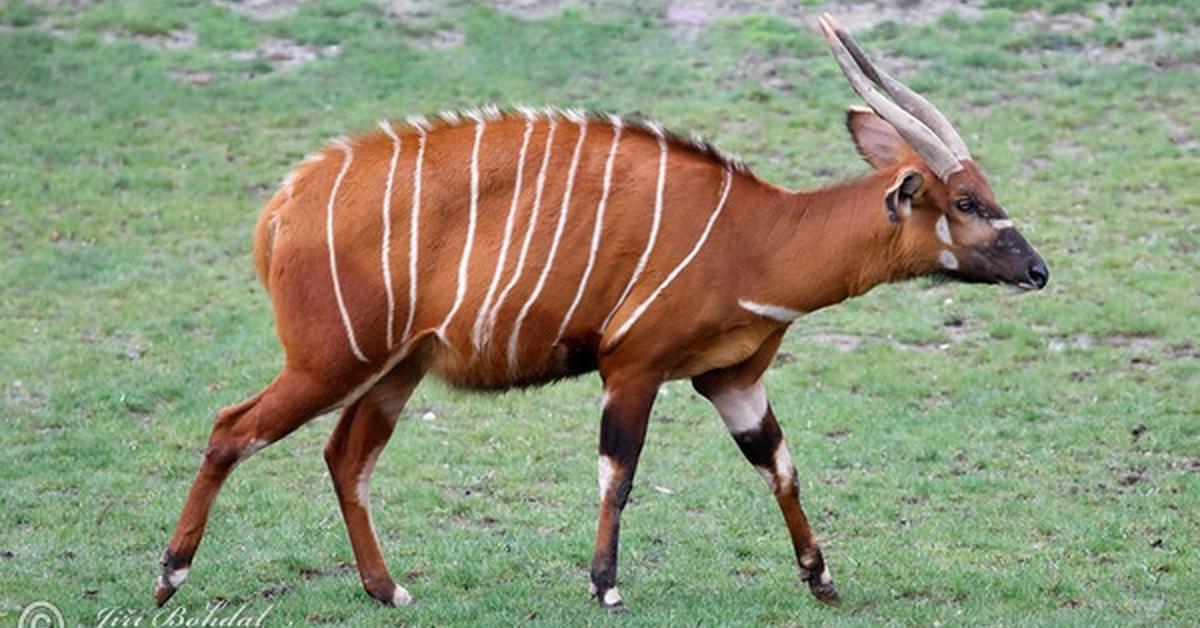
(218, 613)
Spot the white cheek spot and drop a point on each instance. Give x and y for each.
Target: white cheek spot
(742, 409)
(947, 259)
(364, 478)
(176, 578)
(1001, 223)
(943, 230)
(612, 597)
(606, 470)
(775, 312)
(825, 577)
(592, 588)
(401, 597)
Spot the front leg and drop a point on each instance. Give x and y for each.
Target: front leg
(741, 399)
(628, 398)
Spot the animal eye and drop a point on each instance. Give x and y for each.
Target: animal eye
(966, 204)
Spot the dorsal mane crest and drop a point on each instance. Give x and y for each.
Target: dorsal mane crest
(693, 142)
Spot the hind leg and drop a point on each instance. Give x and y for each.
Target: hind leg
(290, 401)
(351, 454)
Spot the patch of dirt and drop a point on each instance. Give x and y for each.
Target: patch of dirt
(686, 20)
(1185, 350)
(419, 21)
(1069, 23)
(542, 9)
(833, 480)
(285, 54)
(310, 573)
(271, 592)
(924, 347)
(532, 9)
(173, 40)
(1150, 51)
(442, 39)
(958, 328)
(1181, 134)
(688, 17)
(263, 9)
(17, 396)
(407, 11)
(1140, 344)
(842, 342)
(1133, 476)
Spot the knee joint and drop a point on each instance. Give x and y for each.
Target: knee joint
(222, 456)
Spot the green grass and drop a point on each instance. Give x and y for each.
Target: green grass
(973, 473)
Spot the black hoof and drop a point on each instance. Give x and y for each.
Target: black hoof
(162, 592)
(825, 592)
(174, 572)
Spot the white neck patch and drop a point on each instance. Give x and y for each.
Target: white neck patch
(774, 312)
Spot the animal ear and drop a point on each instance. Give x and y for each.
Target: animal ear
(875, 138)
(899, 196)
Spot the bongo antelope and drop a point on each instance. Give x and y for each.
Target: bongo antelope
(499, 249)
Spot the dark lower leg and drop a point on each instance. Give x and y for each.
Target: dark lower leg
(622, 433)
(765, 448)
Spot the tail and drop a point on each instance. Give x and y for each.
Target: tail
(264, 236)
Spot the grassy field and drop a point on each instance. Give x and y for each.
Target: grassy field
(967, 455)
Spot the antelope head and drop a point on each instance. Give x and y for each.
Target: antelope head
(948, 219)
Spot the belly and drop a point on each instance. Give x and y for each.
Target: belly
(492, 370)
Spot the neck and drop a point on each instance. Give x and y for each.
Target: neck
(826, 245)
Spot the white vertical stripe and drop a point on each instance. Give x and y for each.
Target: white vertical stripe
(414, 240)
(596, 229)
(712, 220)
(385, 248)
(533, 215)
(477, 333)
(767, 310)
(337, 287)
(658, 205)
(473, 210)
(513, 339)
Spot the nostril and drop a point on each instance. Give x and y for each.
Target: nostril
(1039, 274)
